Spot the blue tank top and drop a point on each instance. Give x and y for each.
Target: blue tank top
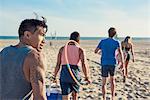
(13, 84)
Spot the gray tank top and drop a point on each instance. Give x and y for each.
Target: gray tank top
(13, 85)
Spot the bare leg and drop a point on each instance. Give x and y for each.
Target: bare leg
(123, 70)
(65, 97)
(74, 95)
(104, 87)
(126, 68)
(112, 82)
(123, 74)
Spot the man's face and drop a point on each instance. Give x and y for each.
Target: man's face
(37, 39)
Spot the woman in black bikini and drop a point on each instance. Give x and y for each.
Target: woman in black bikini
(127, 47)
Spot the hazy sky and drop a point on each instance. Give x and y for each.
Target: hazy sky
(88, 17)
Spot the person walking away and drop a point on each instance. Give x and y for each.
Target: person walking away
(108, 47)
(75, 55)
(128, 50)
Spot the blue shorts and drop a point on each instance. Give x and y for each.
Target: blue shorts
(66, 82)
(108, 70)
(67, 88)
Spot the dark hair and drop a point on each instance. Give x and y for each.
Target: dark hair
(127, 38)
(30, 25)
(75, 36)
(111, 32)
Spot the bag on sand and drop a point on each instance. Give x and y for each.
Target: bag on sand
(53, 92)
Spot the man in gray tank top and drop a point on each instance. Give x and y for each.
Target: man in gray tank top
(21, 66)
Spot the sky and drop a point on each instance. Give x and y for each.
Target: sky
(91, 18)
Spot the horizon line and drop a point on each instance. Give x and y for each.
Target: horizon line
(80, 36)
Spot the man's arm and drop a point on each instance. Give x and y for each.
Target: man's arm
(57, 68)
(36, 75)
(85, 66)
(97, 50)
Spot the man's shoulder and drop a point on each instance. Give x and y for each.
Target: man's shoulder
(34, 56)
(102, 40)
(81, 50)
(61, 49)
(6, 49)
(35, 59)
(115, 40)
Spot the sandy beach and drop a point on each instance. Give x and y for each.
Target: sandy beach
(137, 86)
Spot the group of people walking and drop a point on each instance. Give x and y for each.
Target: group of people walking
(22, 66)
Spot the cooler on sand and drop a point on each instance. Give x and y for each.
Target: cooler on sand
(53, 92)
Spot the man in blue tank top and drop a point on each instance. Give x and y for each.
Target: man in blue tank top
(108, 47)
(22, 71)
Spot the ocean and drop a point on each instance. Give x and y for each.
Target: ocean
(82, 38)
